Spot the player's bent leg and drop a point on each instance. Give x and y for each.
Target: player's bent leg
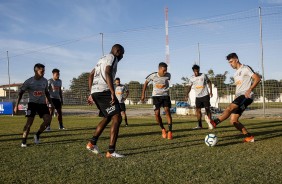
(199, 118)
(234, 119)
(169, 122)
(116, 121)
(26, 130)
(46, 121)
(160, 122)
(60, 118)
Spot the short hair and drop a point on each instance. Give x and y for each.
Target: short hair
(196, 67)
(117, 79)
(162, 64)
(231, 55)
(118, 46)
(55, 70)
(37, 66)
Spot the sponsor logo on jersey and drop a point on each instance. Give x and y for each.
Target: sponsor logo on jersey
(37, 93)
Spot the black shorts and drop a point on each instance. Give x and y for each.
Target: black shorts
(242, 103)
(161, 101)
(33, 108)
(103, 103)
(122, 107)
(57, 103)
(203, 102)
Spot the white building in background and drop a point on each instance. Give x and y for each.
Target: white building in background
(4, 89)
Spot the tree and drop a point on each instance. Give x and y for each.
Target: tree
(79, 88)
(177, 92)
(272, 91)
(135, 90)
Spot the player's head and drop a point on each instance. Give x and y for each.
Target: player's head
(118, 51)
(117, 81)
(39, 70)
(196, 69)
(233, 60)
(56, 73)
(162, 68)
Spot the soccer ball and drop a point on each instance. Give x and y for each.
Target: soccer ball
(211, 140)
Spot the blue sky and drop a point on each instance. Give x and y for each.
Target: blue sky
(64, 34)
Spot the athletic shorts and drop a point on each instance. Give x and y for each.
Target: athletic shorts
(122, 107)
(203, 102)
(33, 108)
(161, 101)
(57, 103)
(103, 103)
(242, 103)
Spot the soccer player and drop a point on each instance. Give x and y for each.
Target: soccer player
(55, 90)
(160, 96)
(121, 94)
(245, 80)
(101, 85)
(200, 81)
(37, 88)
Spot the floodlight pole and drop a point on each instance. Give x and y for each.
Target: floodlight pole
(102, 43)
(262, 66)
(9, 75)
(199, 55)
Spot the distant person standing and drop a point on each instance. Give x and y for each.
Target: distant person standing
(121, 94)
(200, 82)
(245, 80)
(55, 90)
(161, 96)
(103, 95)
(37, 88)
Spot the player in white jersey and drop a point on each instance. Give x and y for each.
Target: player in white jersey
(160, 96)
(55, 90)
(121, 94)
(199, 82)
(36, 87)
(245, 80)
(102, 93)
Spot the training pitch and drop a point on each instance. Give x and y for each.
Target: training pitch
(62, 157)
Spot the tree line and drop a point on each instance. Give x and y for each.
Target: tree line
(78, 91)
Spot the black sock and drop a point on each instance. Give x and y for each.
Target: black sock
(111, 149)
(162, 126)
(200, 123)
(61, 124)
(170, 127)
(248, 135)
(217, 121)
(38, 134)
(24, 140)
(94, 140)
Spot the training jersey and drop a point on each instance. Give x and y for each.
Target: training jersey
(54, 87)
(243, 80)
(200, 84)
(120, 92)
(36, 89)
(99, 81)
(160, 84)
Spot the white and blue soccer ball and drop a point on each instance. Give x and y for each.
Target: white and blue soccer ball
(211, 140)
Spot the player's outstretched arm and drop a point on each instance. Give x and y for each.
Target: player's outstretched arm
(144, 90)
(18, 101)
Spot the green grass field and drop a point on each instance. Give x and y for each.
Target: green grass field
(62, 157)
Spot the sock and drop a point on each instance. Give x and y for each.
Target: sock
(38, 134)
(170, 127)
(200, 123)
(61, 124)
(217, 121)
(162, 126)
(111, 149)
(94, 140)
(248, 135)
(24, 140)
